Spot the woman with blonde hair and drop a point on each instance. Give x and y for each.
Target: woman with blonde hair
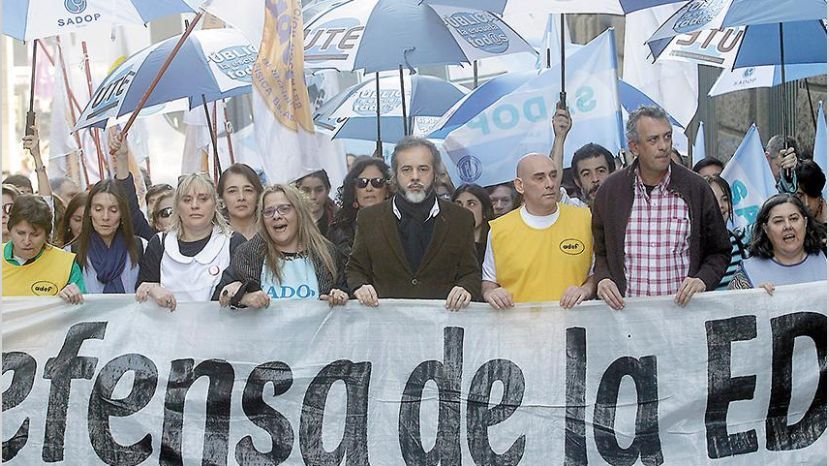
(185, 263)
(287, 259)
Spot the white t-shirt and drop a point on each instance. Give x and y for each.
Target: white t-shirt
(299, 280)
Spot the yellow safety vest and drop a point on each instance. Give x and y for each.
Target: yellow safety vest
(46, 276)
(538, 265)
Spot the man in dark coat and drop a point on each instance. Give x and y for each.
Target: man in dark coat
(414, 245)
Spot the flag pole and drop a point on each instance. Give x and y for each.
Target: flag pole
(474, 74)
(402, 101)
(562, 97)
(71, 97)
(95, 136)
(216, 164)
(30, 115)
(788, 173)
(379, 152)
(228, 133)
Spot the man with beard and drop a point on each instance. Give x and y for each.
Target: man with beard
(414, 245)
(591, 165)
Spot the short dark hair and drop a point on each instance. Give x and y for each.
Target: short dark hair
(409, 142)
(32, 209)
(19, 181)
(810, 178)
(761, 244)
(589, 151)
(157, 189)
(240, 169)
(707, 162)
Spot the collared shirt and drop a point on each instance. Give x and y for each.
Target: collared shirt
(657, 244)
(432, 213)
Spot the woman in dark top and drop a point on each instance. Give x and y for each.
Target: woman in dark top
(476, 199)
(366, 184)
(288, 259)
(317, 187)
(722, 191)
(185, 264)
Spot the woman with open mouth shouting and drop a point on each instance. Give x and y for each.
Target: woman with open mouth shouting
(786, 248)
(288, 259)
(185, 263)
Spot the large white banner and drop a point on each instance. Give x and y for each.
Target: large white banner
(734, 378)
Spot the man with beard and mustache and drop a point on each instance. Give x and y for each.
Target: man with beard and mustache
(414, 245)
(591, 165)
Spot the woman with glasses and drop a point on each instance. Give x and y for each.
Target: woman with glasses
(162, 213)
(288, 259)
(317, 187)
(107, 250)
(185, 263)
(366, 184)
(475, 199)
(70, 226)
(240, 188)
(31, 266)
(10, 193)
(786, 247)
(722, 192)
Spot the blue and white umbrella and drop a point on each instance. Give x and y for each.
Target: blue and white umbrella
(212, 64)
(380, 35)
(35, 19)
(353, 112)
(762, 76)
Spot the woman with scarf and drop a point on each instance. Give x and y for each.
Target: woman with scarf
(107, 250)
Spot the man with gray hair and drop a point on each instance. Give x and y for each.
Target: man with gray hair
(414, 245)
(782, 155)
(657, 228)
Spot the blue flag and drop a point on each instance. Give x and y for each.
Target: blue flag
(750, 177)
(486, 148)
(699, 144)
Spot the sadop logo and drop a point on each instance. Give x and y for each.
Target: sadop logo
(697, 13)
(749, 72)
(235, 62)
(75, 7)
(366, 102)
(480, 29)
(469, 168)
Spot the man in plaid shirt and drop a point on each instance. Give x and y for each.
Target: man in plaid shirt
(657, 230)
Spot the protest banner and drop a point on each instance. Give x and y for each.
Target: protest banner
(735, 378)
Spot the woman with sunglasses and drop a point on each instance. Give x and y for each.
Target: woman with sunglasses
(162, 213)
(185, 263)
(288, 259)
(240, 188)
(366, 184)
(106, 249)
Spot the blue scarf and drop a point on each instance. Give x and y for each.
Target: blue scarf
(108, 262)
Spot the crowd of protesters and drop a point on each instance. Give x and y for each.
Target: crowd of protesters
(651, 228)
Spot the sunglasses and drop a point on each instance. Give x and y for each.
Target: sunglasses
(164, 213)
(7, 208)
(282, 210)
(376, 183)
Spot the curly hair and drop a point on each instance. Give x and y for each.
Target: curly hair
(761, 244)
(346, 194)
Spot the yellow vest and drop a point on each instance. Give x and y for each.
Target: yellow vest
(538, 265)
(46, 276)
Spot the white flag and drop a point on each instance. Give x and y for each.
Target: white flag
(750, 177)
(699, 144)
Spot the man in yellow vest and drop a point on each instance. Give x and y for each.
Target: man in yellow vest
(542, 251)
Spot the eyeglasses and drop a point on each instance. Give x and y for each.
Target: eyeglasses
(7, 208)
(376, 183)
(164, 213)
(282, 210)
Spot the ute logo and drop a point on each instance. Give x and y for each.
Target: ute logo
(44, 288)
(572, 247)
(77, 7)
(333, 40)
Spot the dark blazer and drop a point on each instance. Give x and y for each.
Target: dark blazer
(377, 257)
(710, 247)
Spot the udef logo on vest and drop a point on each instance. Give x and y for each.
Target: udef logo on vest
(44, 288)
(480, 29)
(572, 247)
(77, 8)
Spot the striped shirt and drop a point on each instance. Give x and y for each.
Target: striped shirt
(657, 245)
(734, 264)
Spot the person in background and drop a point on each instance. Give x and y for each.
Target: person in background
(162, 214)
(58, 212)
(22, 183)
(677, 158)
(106, 250)
(443, 191)
(591, 165)
(810, 183)
(240, 188)
(349, 161)
(782, 156)
(10, 193)
(709, 166)
(365, 185)
(317, 187)
(787, 247)
(70, 227)
(288, 259)
(64, 188)
(657, 229)
(476, 200)
(415, 245)
(154, 193)
(31, 266)
(722, 192)
(185, 264)
(504, 198)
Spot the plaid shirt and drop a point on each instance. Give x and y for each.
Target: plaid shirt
(657, 247)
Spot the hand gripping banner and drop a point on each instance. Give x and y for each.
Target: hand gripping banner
(734, 378)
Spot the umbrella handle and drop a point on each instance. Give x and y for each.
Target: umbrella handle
(562, 100)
